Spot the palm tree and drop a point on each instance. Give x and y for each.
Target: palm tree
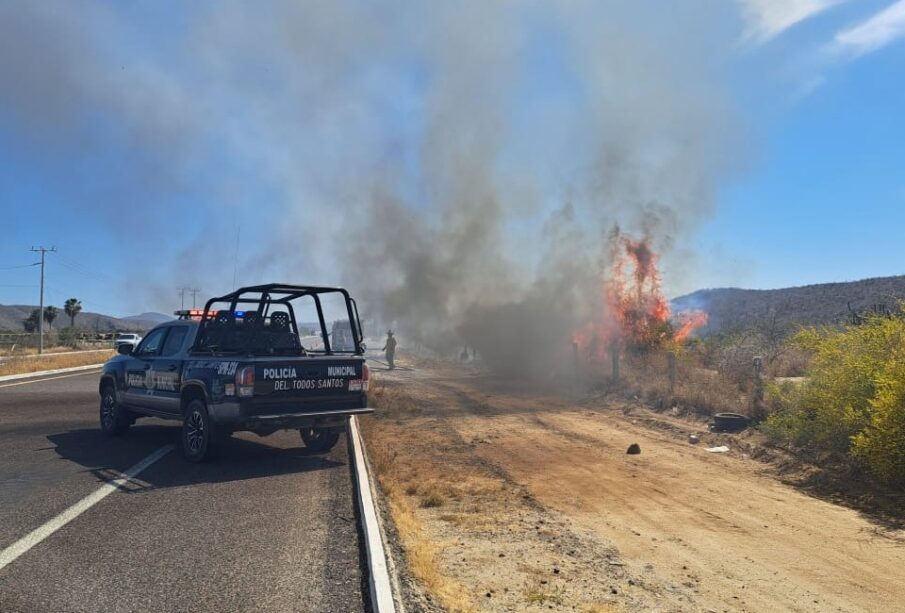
(72, 307)
(50, 313)
(30, 323)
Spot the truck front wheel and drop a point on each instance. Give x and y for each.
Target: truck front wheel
(115, 420)
(319, 440)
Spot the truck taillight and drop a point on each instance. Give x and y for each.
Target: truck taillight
(245, 376)
(360, 385)
(245, 381)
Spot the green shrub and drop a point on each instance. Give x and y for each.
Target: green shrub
(69, 337)
(854, 399)
(881, 445)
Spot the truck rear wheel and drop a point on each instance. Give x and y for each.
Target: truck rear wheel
(197, 439)
(319, 440)
(115, 420)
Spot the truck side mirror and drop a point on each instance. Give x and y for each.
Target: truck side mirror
(125, 349)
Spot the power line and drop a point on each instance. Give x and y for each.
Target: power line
(84, 270)
(187, 290)
(87, 276)
(21, 266)
(87, 303)
(60, 295)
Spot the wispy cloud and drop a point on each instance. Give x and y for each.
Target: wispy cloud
(875, 32)
(766, 19)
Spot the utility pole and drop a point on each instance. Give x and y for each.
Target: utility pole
(182, 292)
(42, 251)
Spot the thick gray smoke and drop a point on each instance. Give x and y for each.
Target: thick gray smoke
(456, 164)
(503, 248)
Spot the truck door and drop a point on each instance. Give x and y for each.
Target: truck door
(140, 370)
(168, 370)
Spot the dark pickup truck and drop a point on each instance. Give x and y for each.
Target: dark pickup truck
(238, 364)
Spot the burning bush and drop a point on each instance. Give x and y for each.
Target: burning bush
(636, 314)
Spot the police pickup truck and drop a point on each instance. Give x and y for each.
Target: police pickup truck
(238, 364)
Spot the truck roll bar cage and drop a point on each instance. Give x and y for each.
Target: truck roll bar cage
(264, 296)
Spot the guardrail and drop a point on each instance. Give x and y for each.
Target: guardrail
(382, 600)
(55, 353)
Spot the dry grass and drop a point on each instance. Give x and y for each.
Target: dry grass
(432, 500)
(697, 391)
(542, 594)
(10, 348)
(421, 553)
(406, 491)
(24, 365)
(30, 351)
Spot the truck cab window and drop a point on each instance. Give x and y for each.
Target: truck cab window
(150, 346)
(174, 341)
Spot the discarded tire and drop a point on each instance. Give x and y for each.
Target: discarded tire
(634, 449)
(729, 422)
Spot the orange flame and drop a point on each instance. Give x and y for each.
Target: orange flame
(688, 322)
(636, 312)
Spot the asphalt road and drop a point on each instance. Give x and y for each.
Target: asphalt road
(264, 527)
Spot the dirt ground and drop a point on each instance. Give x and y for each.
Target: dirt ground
(527, 500)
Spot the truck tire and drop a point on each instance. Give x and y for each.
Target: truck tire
(319, 440)
(115, 420)
(729, 422)
(197, 439)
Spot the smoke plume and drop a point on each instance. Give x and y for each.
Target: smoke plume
(457, 165)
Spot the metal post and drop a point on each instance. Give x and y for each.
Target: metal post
(575, 375)
(41, 311)
(757, 396)
(671, 357)
(182, 291)
(42, 251)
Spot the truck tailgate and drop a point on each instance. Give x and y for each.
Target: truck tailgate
(309, 378)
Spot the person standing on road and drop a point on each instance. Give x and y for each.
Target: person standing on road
(390, 348)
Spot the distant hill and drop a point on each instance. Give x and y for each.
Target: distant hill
(150, 317)
(826, 303)
(11, 317)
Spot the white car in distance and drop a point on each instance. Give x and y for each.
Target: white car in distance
(123, 338)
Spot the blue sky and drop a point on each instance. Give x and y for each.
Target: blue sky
(143, 141)
(824, 200)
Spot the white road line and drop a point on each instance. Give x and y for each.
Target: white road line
(78, 374)
(36, 536)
